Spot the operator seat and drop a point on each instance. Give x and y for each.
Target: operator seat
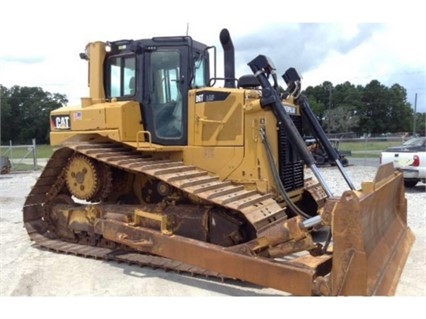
(169, 119)
(248, 81)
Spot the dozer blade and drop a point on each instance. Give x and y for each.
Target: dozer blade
(371, 238)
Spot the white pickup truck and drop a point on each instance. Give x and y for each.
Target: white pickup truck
(410, 158)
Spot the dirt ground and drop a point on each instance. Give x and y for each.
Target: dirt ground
(27, 271)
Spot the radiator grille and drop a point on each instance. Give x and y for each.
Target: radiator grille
(290, 164)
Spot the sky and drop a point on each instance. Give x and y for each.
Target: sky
(337, 41)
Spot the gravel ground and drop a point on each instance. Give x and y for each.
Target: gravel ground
(28, 271)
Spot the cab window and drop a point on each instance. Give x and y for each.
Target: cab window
(199, 79)
(122, 76)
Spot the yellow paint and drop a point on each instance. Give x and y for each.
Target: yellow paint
(119, 121)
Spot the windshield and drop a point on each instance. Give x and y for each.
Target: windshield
(420, 141)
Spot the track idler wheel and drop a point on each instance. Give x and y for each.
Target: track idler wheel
(87, 179)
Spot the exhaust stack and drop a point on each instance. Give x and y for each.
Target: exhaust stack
(229, 58)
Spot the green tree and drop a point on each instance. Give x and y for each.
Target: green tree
(374, 108)
(400, 114)
(342, 119)
(319, 95)
(319, 98)
(346, 99)
(384, 109)
(420, 124)
(336, 107)
(25, 113)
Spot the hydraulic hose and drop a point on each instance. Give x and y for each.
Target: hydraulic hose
(277, 178)
(309, 221)
(260, 67)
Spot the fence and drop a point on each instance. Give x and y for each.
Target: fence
(17, 157)
(24, 157)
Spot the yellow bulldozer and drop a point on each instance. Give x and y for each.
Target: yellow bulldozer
(167, 165)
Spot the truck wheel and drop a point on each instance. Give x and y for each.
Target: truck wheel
(344, 161)
(410, 183)
(319, 159)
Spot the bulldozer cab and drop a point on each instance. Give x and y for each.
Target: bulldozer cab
(158, 74)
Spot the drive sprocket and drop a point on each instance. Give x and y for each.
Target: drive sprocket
(88, 180)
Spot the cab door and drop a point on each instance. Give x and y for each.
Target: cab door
(165, 95)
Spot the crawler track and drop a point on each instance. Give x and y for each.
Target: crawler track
(260, 210)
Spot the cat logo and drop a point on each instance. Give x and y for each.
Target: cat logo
(199, 98)
(61, 122)
(289, 109)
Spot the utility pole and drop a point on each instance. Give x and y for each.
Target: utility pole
(414, 115)
(330, 97)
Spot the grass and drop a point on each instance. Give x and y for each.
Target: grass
(43, 151)
(367, 145)
(23, 167)
(367, 148)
